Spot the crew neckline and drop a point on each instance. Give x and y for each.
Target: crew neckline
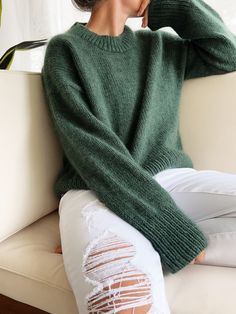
(119, 43)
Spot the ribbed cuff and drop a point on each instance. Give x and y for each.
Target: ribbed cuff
(164, 13)
(176, 238)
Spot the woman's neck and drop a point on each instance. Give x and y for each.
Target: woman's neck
(108, 18)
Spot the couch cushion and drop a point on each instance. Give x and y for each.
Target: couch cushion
(31, 155)
(207, 121)
(31, 273)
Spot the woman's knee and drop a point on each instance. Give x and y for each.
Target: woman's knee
(121, 287)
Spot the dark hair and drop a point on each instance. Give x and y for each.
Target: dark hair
(84, 5)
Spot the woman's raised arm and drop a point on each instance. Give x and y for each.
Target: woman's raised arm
(210, 46)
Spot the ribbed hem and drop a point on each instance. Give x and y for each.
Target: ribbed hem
(176, 238)
(164, 13)
(120, 43)
(167, 158)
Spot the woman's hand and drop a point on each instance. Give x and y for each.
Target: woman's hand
(143, 11)
(58, 249)
(199, 258)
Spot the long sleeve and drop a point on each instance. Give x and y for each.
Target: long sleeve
(210, 46)
(107, 167)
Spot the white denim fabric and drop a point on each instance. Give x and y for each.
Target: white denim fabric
(102, 252)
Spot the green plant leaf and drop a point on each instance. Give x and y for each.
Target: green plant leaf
(7, 58)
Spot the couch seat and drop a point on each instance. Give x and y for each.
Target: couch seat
(30, 272)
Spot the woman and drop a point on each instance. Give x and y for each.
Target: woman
(131, 203)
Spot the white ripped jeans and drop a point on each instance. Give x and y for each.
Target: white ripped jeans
(111, 266)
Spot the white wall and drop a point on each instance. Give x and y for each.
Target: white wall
(40, 19)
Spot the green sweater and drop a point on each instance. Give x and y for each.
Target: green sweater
(114, 102)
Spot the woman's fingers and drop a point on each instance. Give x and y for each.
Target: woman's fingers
(142, 7)
(143, 11)
(145, 18)
(199, 258)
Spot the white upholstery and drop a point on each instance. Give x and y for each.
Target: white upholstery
(29, 270)
(207, 121)
(31, 273)
(30, 155)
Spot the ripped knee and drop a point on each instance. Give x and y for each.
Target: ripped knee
(119, 286)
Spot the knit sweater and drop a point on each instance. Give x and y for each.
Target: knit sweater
(114, 103)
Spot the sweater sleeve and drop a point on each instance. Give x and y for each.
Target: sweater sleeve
(210, 46)
(106, 165)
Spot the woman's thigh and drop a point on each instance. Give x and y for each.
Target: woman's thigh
(201, 194)
(208, 197)
(107, 260)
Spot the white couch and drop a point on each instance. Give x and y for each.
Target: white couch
(31, 157)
